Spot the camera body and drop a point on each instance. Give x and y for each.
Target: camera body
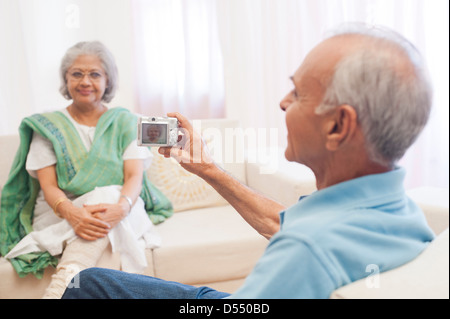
(157, 131)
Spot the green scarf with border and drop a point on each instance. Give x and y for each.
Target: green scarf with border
(78, 171)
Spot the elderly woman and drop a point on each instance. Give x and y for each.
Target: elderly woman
(154, 134)
(78, 180)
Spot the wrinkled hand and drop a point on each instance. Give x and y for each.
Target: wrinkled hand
(111, 214)
(190, 151)
(86, 225)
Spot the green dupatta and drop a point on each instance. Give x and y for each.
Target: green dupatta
(78, 172)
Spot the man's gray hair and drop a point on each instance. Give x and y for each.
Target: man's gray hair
(99, 50)
(393, 105)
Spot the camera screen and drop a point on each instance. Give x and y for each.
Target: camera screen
(154, 133)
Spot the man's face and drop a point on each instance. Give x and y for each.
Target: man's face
(304, 138)
(307, 131)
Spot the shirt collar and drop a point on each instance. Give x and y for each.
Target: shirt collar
(367, 190)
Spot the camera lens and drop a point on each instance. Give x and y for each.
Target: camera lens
(153, 119)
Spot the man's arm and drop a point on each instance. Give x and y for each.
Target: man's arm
(260, 212)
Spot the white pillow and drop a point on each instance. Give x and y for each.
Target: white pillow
(185, 190)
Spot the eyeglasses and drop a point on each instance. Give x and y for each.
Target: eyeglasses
(78, 75)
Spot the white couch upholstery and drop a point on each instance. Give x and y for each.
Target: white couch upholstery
(207, 243)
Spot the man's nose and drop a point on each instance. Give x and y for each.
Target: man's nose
(285, 102)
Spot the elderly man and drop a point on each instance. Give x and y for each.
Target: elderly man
(360, 99)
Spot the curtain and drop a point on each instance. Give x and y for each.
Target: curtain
(211, 58)
(264, 42)
(35, 34)
(178, 58)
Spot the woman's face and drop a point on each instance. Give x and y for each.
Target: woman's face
(86, 80)
(154, 132)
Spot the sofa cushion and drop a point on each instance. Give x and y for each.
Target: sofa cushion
(185, 190)
(424, 277)
(28, 287)
(14, 287)
(207, 245)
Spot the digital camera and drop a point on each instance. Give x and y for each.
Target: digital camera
(157, 131)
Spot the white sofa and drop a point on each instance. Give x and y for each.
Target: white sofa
(207, 243)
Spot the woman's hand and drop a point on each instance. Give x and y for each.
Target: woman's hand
(111, 214)
(85, 224)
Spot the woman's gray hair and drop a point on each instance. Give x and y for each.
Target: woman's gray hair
(393, 102)
(99, 50)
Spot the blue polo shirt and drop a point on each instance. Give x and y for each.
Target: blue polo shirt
(338, 235)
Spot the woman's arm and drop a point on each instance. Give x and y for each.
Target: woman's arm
(84, 224)
(133, 171)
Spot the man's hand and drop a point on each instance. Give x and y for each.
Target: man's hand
(190, 151)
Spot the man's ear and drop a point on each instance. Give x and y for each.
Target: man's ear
(341, 126)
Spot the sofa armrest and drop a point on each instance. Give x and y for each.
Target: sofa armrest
(425, 277)
(435, 205)
(273, 176)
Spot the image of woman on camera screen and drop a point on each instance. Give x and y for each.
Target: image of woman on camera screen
(156, 134)
(78, 180)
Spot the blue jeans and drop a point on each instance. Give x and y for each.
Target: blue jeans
(99, 283)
